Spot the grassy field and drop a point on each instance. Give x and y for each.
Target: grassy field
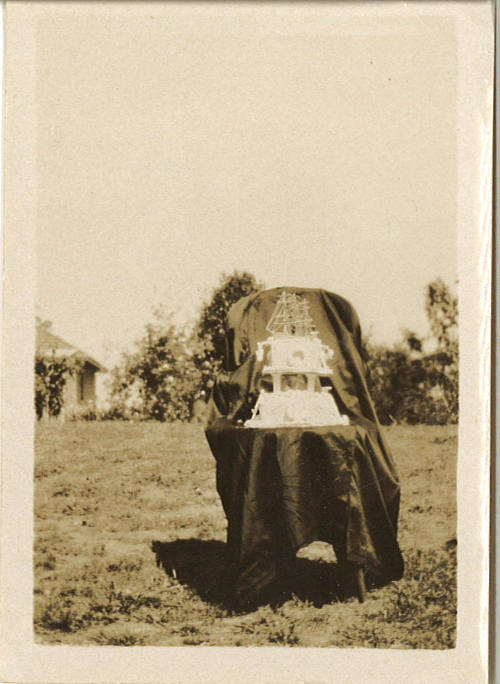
(130, 539)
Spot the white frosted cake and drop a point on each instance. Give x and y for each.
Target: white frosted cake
(296, 359)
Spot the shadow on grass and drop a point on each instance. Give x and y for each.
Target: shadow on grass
(201, 565)
(196, 563)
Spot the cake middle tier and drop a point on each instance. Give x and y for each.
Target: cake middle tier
(302, 353)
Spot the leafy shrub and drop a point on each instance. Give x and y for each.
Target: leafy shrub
(170, 369)
(159, 380)
(410, 387)
(210, 329)
(51, 373)
(406, 390)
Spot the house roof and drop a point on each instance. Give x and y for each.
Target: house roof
(48, 343)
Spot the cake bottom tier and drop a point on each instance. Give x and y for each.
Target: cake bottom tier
(296, 407)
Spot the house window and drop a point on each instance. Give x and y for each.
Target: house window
(81, 387)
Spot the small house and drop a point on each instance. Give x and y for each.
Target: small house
(80, 388)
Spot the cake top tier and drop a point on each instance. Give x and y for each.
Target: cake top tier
(296, 353)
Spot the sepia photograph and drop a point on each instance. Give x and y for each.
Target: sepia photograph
(255, 261)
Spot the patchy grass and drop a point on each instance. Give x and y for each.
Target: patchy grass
(129, 548)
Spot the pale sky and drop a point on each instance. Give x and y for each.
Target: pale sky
(183, 141)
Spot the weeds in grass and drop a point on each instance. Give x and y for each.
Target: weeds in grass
(63, 616)
(119, 638)
(280, 631)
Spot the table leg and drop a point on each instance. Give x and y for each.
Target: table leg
(360, 583)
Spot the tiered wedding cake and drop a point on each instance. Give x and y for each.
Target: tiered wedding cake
(296, 360)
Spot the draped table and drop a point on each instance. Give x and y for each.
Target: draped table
(282, 488)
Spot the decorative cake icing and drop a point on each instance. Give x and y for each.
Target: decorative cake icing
(296, 359)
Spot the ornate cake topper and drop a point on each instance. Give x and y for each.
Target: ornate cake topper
(291, 316)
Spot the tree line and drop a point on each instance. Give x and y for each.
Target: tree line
(171, 370)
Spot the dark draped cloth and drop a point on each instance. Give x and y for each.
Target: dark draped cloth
(282, 488)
